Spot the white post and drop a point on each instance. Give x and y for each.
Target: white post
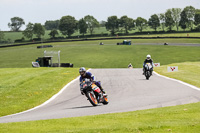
(45, 53)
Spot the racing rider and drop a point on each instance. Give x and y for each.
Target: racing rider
(148, 60)
(88, 75)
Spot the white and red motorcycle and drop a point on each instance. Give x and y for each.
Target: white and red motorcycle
(93, 92)
(148, 69)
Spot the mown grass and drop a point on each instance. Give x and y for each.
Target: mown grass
(179, 119)
(188, 72)
(25, 88)
(90, 54)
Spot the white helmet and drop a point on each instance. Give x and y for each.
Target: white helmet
(148, 57)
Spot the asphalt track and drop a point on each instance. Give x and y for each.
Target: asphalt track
(128, 90)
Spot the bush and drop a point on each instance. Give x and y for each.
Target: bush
(197, 28)
(37, 39)
(19, 40)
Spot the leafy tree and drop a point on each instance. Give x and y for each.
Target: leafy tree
(91, 22)
(1, 35)
(169, 22)
(190, 12)
(102, 23)
(112, 24)
(198, 28)
(126, 23)
(50, 25)
(154, 22)
(162, 20)
(53, 33)
(28, 32)
(141, 23)
(38, 30)
(67, 25)
(197, 17)
(176, 15)
(16, 23)
(82, 25)
(184, 20)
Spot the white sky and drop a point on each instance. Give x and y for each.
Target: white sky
(38, 11)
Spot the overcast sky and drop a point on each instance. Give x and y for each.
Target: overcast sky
(38, 11)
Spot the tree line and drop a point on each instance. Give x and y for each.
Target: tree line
(67, 25)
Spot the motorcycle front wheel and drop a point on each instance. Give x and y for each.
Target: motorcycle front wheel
(105, 100)
(147, 75)
(92, 98)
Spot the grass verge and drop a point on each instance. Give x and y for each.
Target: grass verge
(188, 72)
(25, 88)
(179, 119)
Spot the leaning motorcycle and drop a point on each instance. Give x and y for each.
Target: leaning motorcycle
(148, 70)
(93, 92)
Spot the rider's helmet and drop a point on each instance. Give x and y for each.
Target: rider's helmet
(148, 57)
(82, 71)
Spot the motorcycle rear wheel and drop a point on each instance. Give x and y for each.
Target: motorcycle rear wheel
(92, 98)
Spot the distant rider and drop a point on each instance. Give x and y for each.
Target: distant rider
(88, 75)
(130, 66)
(148, 60)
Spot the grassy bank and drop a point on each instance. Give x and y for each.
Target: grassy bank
(110, 55)
(25, 88)
(179, 119)
(188, 72)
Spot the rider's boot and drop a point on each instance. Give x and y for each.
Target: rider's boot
(143, 72)
(151, 72)
(100, 97)
(104, 93)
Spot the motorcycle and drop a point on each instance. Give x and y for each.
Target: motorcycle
(148, 70)
(93, 92)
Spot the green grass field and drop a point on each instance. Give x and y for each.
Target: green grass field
(179, 119)
(25, 88)
(110, 55)
(188, 72)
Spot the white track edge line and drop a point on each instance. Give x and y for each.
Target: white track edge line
(184, 83)
(48, 101)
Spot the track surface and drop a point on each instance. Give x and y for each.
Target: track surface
(128, 90)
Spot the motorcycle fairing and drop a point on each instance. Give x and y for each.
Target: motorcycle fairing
(96, 88)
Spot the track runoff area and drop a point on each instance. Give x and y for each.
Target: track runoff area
(127, 89)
